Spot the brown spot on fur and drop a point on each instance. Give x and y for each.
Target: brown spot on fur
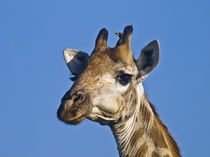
(136, 137)
(137, 119)
(157, 136)
(166, 156)
(142, 152)
(145, 114)
(172, 143)
(154, 154)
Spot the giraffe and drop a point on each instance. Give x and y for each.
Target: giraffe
(108, 89)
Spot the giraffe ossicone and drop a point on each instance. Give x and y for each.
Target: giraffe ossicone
(108, 89)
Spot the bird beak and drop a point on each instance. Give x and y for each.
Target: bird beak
(118, 34)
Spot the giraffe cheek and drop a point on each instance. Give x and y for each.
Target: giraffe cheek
(107, 105)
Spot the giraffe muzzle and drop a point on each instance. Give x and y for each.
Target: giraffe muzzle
(75, 108)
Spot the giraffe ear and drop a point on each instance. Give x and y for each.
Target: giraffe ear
(149, 58)
(76, 60)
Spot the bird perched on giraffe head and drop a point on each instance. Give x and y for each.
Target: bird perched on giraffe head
(120, 36)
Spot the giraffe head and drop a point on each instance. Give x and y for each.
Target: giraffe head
(105, 87)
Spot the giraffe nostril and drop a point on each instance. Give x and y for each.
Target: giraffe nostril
(79, 98)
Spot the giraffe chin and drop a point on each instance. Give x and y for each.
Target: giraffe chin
(75, 121)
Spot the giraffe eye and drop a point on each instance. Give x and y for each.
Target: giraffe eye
(124, 78)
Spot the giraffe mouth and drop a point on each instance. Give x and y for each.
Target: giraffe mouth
(100, 119)
(103, 118)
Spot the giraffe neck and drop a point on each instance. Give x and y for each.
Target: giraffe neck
(143, 134)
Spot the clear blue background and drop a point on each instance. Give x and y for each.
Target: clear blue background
(34, 77)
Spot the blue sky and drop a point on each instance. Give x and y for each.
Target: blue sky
(34, 76)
